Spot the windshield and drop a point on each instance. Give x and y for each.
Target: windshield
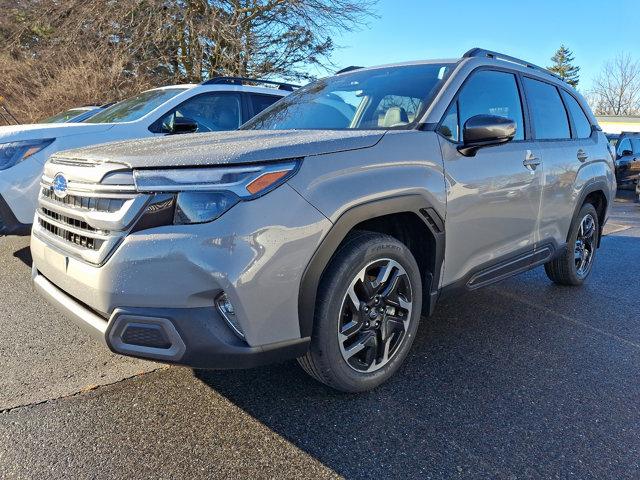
(382, 98)
(65, 116)
(136, 107)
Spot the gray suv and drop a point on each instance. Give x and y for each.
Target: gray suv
(326, 226)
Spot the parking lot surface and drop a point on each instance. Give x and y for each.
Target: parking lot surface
(523, 379)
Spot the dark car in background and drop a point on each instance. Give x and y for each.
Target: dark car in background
(627, 159)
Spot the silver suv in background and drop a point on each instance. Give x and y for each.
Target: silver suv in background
(328, 224)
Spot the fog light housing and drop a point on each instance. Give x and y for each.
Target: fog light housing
(228, 312)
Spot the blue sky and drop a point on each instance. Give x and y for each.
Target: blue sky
(415, 29)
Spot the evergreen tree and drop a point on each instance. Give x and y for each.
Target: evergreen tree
(563, 66)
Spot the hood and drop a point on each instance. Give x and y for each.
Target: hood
(37, 131)
(241, 146)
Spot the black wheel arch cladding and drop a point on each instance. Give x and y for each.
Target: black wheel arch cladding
(348, 221)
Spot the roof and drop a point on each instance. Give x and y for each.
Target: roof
(226, 88)
(479, 55)
(401, 64)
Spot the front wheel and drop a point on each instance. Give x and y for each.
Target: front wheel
(367, 313)
(574, 266)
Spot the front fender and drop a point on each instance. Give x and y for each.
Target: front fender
(347, 221)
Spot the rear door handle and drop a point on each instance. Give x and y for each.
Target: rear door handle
(531, 161)
(582, 155)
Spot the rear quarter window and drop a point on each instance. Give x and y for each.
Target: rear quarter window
(549, 117)
(580, 120)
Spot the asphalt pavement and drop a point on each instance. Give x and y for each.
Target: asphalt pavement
(522, 379)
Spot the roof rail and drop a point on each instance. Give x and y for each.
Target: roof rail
(348, 69)
(481, 52)
(244, 80)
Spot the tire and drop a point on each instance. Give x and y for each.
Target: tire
(361, 257)
(566, 269)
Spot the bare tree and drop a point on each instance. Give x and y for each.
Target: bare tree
(59, 54)
(616, 90)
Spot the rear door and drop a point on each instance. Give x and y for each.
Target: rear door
(493, 198)
(566, 142)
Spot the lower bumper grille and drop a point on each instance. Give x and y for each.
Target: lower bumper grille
(72, 237)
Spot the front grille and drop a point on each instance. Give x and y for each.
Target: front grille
(71, 237)
(85, 203)
(72, 222)
(91, 220)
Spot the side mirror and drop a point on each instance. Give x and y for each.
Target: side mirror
(183, 125)
(626, 153)
(485, 131)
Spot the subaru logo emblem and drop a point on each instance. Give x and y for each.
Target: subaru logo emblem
(60, 186)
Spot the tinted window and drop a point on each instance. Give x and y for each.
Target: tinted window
(547, 111)
(580, 121)
(377, 98)
(213, 112)
(261, 102)
(624, 145)
(135, 107)
(488, 93)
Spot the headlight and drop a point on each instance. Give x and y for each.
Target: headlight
(201, 207)
(14, 152)
(200, 195)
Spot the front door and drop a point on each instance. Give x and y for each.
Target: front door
(493, 198)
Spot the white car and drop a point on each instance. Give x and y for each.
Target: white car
(222, 103)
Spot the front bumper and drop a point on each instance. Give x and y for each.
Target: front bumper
(9, 225)
(194, 337)
(165, 281)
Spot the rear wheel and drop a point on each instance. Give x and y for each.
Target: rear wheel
(367, 313)
(575, 265)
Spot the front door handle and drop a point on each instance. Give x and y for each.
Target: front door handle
(582, 155)
(531, 161)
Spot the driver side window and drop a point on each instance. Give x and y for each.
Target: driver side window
(212, 112)
(486, 92)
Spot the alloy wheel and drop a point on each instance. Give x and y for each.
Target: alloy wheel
(585, 245)
(375, 315)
